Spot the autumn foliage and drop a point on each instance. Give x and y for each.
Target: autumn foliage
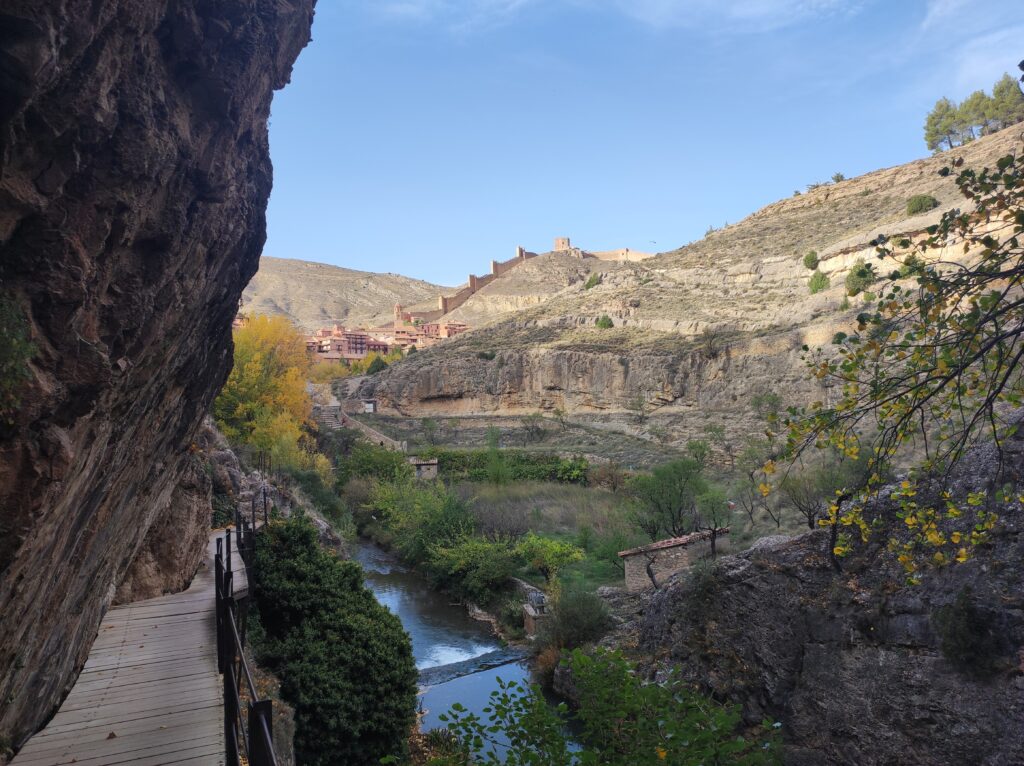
(264, 404)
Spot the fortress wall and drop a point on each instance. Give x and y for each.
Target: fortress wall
(623, 254)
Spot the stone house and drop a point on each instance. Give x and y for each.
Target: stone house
(425, 469)
(655, 563)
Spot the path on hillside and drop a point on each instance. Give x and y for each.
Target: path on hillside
(149, 692)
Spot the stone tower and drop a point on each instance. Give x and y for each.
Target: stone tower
(562, 244)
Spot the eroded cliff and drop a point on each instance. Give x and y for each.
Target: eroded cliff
(134, 176)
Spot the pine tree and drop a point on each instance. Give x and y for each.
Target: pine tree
(941, 125)
(975, 115)
(1007, 102)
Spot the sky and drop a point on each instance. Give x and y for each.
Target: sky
(428, 137)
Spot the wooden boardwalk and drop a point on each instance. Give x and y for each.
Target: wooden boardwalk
(149, 693)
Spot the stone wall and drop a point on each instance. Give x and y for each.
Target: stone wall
(135, 176)
(666, 562)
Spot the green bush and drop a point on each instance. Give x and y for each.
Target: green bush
(371, 461)
(488, 355)
(573, 470)
(860, 278)
(818, 282)
(474, 568)
(344, 660)
(604, 322)
(323, 498)
(578, 617)
(593, 281)
(921, 203)
(420, 517)
(811, 260)
(622, 719)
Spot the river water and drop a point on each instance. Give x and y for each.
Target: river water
(459, 659)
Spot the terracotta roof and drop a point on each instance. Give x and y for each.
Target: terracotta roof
(673, 542)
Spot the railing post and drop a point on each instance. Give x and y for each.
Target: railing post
(218, 577)
(227, 557)
(230, 716)
(261, 733)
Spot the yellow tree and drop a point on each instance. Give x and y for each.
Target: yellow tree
(265, 403)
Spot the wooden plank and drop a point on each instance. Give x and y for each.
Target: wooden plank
(151, 681)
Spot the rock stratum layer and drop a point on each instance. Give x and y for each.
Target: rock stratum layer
(134, 176)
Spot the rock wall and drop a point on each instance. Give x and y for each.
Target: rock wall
(134, 175)
(852, 664)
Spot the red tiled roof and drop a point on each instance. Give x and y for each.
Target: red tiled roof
(673, 542)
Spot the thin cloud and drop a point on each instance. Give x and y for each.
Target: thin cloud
(731, 15)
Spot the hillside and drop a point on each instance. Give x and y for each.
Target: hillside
(317, 295)
(698, 331)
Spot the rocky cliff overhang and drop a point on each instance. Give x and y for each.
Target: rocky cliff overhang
(134, 176)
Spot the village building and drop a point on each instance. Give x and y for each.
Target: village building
(426, 469)
(651, 565)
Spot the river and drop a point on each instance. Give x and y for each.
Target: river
(459, 658)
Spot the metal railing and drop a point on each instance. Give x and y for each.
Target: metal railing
(248, 720)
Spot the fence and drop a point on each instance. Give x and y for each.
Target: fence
(248, 720)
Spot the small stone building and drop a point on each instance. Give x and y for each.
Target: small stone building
(666, 557)
(425, 469)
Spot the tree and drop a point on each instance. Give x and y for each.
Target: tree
(533, 427)
(548, 556)
(939, 363)
(700, 452)
(838, 177)
(377, 364)
(561, 417)
(976, 114)
(1007, 102)
(715, 514)
(264, 403)
(430, 429)
(344, 660)
(668, 499)
(940, 125)
(638, 406)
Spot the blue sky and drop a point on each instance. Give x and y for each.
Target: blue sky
(426, 137)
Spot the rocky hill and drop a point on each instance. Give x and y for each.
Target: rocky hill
(135, 177)
(697, 332)
(315, 295)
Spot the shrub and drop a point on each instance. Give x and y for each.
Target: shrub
(811, 260)
(573, 470)
(473, 568)
(623, 720)
(323, 498)
(838, 177)
(421, 517)
(860, 278)
(548, 556)
(578, 617)
(593, 281)
(921, 203)
(344, 660)
(818, 282)
(604, 322)
(372, 462)
(377, 365)
(487, 355)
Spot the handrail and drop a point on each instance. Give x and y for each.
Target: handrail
(251, 735)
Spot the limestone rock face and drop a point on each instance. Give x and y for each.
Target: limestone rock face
(852, 664)
(175, 544)
(134, 175)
